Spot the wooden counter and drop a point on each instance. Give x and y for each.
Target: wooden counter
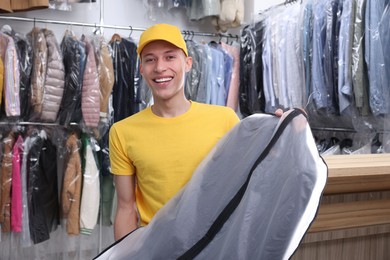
(353, 221)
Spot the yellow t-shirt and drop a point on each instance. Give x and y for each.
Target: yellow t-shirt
(164, 152)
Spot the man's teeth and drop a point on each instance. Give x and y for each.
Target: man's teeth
(162, 80)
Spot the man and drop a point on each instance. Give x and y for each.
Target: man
(154, 152)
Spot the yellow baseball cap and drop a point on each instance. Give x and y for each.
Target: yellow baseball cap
(164, 32)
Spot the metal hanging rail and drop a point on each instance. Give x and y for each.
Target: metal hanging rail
(101, 25)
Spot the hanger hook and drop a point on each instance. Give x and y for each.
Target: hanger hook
(131, 30)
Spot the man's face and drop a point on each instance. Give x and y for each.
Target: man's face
(163, 66)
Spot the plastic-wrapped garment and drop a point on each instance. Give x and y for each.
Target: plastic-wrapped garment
(203, 8)
(55, 79)
(231, 15)
(234, 51)
(319, 39)
(105, 72)
(25, 53)
(73, 52)
(25, 239)
(90, 198)
(345, 56)
(330, 55)
(125, 58)
(217, 82)
(359, 75)
(377, 18)
(42, 189)
(251, 82)
(193, 76)
(90, 97)
(16, 191)
(39, 67)
(62, 5)
(235, 208)
(6, 180)
(107, 186)
(71, 187)
(11, 75)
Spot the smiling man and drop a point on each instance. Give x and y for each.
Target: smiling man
(153, 153)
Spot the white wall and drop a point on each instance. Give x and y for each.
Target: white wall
(124, 13)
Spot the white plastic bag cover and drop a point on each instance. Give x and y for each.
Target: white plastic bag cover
(253, 197)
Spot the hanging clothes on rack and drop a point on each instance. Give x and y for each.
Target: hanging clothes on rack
(377, 18)
(6, 180)
(210, 77)
(16, 191)
(71, 186)
(39, 69)
(24, 52)
(11, 76)
(73, 51)
(124, 59)
(90, 105)
(53, 87)
(90, 197)
(42, 188)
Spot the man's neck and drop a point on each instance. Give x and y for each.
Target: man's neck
(171, 109)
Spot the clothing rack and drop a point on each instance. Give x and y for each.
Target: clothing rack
(99, 26)
(350, 130)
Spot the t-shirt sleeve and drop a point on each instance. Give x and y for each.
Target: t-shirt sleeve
(233, 119)
(120, 162)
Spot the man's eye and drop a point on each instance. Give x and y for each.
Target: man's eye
(170, 57)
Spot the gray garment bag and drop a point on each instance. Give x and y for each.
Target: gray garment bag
(254, 196)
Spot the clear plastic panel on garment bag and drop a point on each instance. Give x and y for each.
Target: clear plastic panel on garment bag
(155, 8)
(54, 84)
(38, 73)
(24, 58)
(74, 54)
(62, 5)
(91, 96)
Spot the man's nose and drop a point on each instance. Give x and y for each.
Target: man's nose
(160, 66)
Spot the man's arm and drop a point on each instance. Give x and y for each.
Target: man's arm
(126, 214)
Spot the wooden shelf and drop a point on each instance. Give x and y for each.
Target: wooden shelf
(357, 173)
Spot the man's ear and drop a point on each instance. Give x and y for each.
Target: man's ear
(141, 69)
(188, 63)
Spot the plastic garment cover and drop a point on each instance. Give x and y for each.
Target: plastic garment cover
(251, 83)
(231, 15)
(11, 84)
(39, 67)
(377, 19)
(90, 197)
(73, 52)
(6, 180)
(90, 105)
(24, 52)
(55, 79)
(105, 71)
(42, 188)
(252, 197)
(16, 191)
(71, 186)
(25, 239)
(124, 60)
